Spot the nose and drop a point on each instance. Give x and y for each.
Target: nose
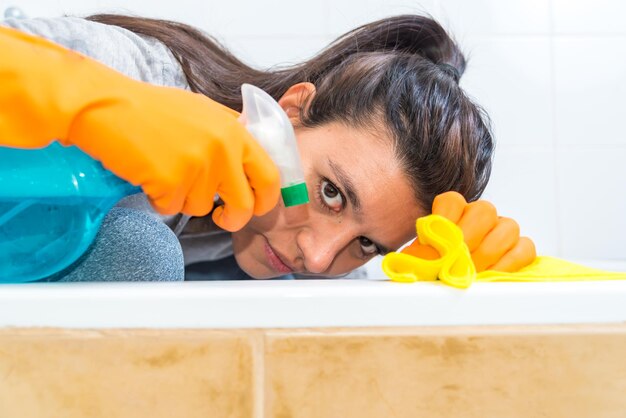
(320, 246)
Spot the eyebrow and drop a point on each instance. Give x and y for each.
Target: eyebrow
(346, 184)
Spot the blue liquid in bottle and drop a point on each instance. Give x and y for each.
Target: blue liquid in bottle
(52, 203)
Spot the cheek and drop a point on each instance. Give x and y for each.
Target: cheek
(345, 262)
(268, 222)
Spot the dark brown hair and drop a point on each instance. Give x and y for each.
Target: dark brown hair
(402, 71)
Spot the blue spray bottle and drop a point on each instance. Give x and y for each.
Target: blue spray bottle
(53, 200)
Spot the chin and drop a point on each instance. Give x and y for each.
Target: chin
(252, 267)
(249, 251)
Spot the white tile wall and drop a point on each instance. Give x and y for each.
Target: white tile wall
(592, 183)
(510, 77)
(552, 74)
(268, 52)
(191, 11)
(590, 85)
(344, 15)
(269, 18)
(493, 17)
(589, 17)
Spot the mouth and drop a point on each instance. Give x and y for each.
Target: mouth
(275, 261)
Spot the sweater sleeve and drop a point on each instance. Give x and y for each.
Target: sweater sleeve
(139, 57)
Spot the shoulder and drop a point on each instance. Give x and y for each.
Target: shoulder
(139, 57)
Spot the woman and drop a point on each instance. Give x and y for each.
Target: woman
(382, 125)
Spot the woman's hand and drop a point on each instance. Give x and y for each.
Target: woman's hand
(494, 242)
(182, 148)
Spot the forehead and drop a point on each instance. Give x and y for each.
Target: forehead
(389, 207)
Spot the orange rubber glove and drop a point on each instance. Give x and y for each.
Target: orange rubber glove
(180, 147)
(494, 242)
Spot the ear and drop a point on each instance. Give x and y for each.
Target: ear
(295, 99)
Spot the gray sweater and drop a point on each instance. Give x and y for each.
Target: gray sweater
(146, 59)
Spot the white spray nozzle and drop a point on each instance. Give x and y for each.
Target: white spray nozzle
(269, 124)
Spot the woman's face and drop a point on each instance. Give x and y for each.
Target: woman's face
(360, 205)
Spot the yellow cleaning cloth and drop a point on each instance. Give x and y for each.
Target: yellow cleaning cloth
(455, 266)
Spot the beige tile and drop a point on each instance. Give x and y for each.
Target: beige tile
(71, 374)
(570, 372)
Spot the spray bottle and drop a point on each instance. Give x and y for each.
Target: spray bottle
(269, 124)
(53, 200)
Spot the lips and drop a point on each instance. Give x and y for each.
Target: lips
(275, 260)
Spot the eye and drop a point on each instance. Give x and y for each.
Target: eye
(331, 195)
(368, 247)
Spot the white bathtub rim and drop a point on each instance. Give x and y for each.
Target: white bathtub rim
(306, 304)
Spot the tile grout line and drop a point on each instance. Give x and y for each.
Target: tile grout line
(258, 370)
(555, 147)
